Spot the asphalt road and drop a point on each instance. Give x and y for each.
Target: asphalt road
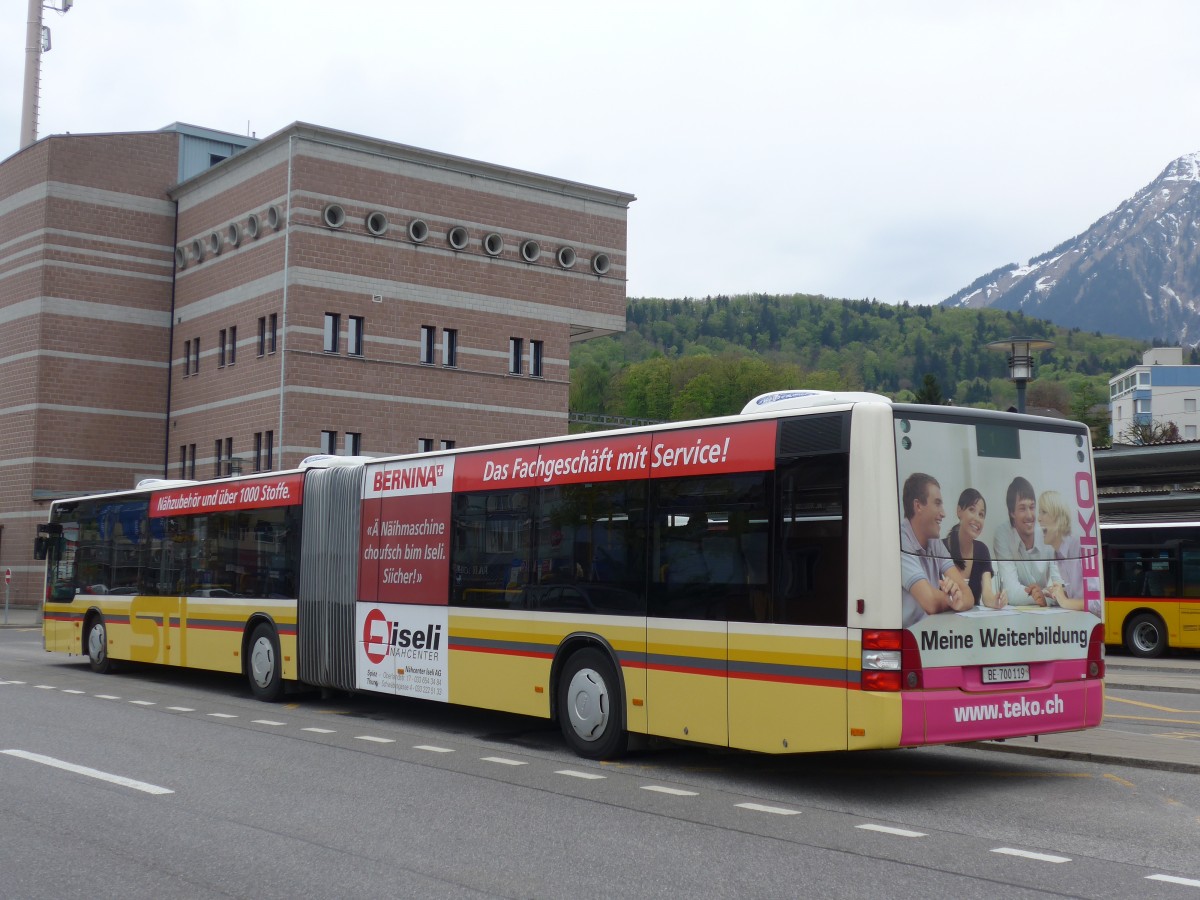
(179, 784)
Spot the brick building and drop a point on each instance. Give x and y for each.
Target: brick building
(186, 303)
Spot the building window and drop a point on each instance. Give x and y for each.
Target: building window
(217, 449)
(450, 347)
(196, 356)
(535, 358)
(427, 337)
(272, 331)
(424, 445)
(1143, 377)
(221, 337)
(192, 461)
(258, 448)
(232, 358)
(446, 445)
(516, 348)
(229, 463)
(262, 335)
(333, 323)
(269, 449)
(329, 442)
(1189, 432)
(353, 443)
(1142, 406)
(187, 358)
(1189, 405)
(354, 336)
(183, 460)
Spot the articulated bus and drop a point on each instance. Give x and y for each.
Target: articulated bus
(774, 581)
(1152, 586)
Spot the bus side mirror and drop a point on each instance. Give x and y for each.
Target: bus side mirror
(47, 537)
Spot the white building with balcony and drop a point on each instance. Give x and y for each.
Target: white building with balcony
(1162, 389)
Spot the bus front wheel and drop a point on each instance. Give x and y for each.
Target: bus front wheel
(96, 641)
(590, 706)
(1146, 636)
(264, 669)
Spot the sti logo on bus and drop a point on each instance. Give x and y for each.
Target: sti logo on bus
(391, 639)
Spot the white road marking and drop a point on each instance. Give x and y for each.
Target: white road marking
(503, 761)
(44, 687)
(143, 703)
(1172, 879)
(776, 810)
(887, 829)
(223, 715)
(106, 697)
(374, 740)
(590, 776)
(674, 792)
(69, 691)
(1029, 854)
(266, 722)
(181, 708)
(432, 749)
(90, 773)
(320, 730)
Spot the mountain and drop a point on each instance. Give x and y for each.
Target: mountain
(1135, 272)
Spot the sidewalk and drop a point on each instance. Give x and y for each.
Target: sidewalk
(20, 617)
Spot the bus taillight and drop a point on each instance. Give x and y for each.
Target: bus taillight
(890, 661)
(1095, 657)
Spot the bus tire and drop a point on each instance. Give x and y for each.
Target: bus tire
(1146, 636)
(96, 643)
(264, 668)
(590, 706)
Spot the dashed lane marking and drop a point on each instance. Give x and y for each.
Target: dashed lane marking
(774, 810)
(432, 749)
(320, 730)
(504, 761)
(1172, 879)
(106, 697)
(181, 708)
(572, 773)
(888, 829)
(222, 715)
(267, 722)
(143, 703)
(674, 792)
(1029, 854)
(373, 739)
(121, 780)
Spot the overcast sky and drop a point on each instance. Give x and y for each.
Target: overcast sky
(879, 148)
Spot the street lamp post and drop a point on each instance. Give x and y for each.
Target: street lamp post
(1020, 352)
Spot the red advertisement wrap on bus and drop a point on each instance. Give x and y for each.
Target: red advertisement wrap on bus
(748, 447)
(405, 532)
(1000, 579)
(277, 490)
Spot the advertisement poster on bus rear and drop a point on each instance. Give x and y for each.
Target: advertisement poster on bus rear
(998, 534)
(402, 650)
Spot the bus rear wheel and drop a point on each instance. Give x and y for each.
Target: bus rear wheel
(96, 641)
(1146, 636)
(264, 669)
(590, 706)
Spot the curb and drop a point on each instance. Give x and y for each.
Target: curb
(1161, 765)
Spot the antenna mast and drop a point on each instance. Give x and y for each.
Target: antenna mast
(37, 42)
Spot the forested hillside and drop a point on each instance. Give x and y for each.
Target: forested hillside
(690, 358)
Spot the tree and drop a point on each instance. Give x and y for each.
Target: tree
(1088, 407)
(1149, 432)
(931, 391)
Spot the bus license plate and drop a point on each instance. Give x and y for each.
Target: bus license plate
(1001, 674)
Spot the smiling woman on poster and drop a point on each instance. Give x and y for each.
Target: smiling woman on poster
(970, 553)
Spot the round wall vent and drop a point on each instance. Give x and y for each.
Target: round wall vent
(457, 237)
(418, 231)
(377, 223)
(214, 243)
(180, 257)
(273, 217)
(600, 264)
(252, 226)
(566, 257)
(334, 216)
(493, 244)
(531, 251)
(233, 234)
(197, 250)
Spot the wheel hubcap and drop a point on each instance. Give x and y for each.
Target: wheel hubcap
(97, 642)
(587, 704)
(1145, 636)
(262, 662)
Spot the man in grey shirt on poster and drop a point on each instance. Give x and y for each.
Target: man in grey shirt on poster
(1024, 564)
(930, 581)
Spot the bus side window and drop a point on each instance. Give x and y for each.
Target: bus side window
(811, 553)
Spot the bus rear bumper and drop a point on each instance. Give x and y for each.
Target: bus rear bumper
(945, 717)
